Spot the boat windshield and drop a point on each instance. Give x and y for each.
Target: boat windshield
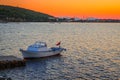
(40, 44)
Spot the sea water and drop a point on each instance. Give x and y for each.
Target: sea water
(93, 50)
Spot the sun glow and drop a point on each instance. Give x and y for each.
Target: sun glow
(71, 8)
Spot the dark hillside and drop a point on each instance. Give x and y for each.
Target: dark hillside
(9, 13)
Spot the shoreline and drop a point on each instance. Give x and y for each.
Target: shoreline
(58, 22)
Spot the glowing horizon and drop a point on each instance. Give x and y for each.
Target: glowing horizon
(71, 8)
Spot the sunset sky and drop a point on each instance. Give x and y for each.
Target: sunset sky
(71, 8)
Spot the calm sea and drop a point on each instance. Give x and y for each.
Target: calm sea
(93, 50)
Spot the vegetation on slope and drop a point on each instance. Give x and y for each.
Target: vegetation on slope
(9, 13)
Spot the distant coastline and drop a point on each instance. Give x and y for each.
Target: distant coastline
(89, 21)
(16, 14)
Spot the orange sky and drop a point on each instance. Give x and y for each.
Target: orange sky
(71, 8)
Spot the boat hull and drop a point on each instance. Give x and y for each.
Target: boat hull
(39, 54)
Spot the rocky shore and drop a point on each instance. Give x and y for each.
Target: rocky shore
(7, 62)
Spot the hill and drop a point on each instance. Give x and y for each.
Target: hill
(16, 14)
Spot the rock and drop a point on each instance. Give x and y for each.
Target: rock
(10, 62)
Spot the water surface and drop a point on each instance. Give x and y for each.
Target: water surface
(93, 50)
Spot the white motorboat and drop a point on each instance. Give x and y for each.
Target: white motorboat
(39, 49)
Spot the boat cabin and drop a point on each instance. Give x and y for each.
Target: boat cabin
(38, 46)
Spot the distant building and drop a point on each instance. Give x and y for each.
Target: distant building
(91, 19)
(77, 19)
